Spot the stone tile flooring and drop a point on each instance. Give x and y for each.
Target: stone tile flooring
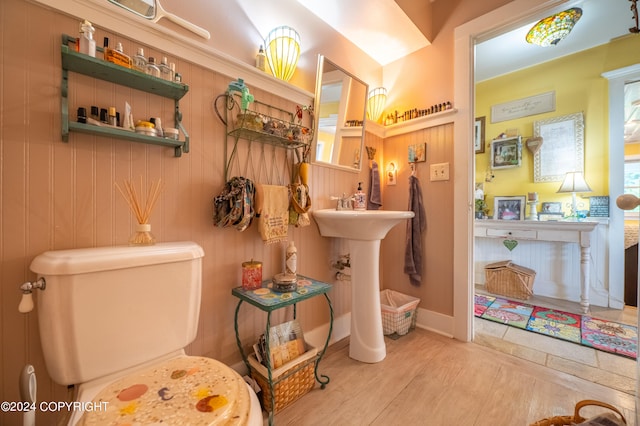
(610, 370)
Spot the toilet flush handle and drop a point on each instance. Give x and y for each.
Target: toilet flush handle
(26, 303)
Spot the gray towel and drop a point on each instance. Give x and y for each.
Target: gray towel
(415, 226)
(375, 200)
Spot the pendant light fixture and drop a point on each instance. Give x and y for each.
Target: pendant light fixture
(552, 29)
(282, 51)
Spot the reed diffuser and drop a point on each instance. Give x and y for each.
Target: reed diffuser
(141, 207)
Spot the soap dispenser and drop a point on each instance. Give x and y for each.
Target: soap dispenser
(359, 199)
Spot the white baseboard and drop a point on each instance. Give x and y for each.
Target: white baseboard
(436, 322)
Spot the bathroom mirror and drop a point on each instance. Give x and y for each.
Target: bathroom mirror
(340, 111)
(152, 10)
(144, 8)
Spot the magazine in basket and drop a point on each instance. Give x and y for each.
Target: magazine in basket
(286, 343)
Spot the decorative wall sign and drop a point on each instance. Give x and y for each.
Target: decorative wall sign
(563, 149)
(599, 206)
(538, 104)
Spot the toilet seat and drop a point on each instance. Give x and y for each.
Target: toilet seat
(182, 390)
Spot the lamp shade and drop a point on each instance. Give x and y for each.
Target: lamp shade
(282, 51)
(552, 29)
(574, 182)
(376, 102)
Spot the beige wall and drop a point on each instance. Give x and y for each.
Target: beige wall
(436, 291)
(57, 195)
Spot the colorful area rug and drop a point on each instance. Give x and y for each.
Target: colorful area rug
(604, 335)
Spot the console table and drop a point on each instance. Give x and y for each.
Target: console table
(561, 231)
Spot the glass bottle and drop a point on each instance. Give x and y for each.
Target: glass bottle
(261, 59)
(165, 71)
(139, 61)
(152, 68)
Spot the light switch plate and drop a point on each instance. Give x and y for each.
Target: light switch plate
(439, 171)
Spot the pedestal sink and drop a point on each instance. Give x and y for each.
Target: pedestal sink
(363, 231)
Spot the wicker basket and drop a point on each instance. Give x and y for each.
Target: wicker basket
(508, 279)
(576, 418)
(290, 381)
(399, 312)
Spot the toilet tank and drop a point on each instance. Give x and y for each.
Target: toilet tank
(106, 309)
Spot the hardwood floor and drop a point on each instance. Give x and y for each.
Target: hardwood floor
(429, 379)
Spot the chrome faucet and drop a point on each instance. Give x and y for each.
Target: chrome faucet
(344, 202)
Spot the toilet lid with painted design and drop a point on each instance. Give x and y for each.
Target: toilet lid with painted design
(183, 390)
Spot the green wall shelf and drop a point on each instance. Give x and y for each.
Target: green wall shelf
(106, 71)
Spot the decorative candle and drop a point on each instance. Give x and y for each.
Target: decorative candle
(251, 275)
(532, 196)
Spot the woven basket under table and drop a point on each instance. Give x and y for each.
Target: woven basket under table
(291, 381)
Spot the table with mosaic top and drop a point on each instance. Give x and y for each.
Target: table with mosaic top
(267, 300)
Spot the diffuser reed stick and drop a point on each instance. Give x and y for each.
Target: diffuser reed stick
(141, 206)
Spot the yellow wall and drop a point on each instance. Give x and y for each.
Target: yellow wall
(631, 149)
(579, 87)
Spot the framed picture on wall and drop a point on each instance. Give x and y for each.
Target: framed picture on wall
(506, 153)
(562, 150)
(479, 135)
(417, 152)
(509, 208)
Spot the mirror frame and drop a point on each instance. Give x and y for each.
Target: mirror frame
(322, 60)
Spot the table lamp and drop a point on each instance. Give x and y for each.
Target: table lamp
(574, 182)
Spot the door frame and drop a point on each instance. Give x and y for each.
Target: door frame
(503, 19)
(617, 80)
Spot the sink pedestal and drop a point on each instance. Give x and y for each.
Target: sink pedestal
(363, 231)
(366, 343)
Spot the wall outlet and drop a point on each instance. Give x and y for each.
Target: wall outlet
(439, 171)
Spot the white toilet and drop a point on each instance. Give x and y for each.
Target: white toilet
(115, 321)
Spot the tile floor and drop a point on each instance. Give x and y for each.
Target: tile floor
(610, 370)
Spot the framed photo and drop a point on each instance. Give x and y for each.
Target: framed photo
(549, 217)
(506, 153)
(417, 152)
(554, 207)
(479, 135)
(509, 208)
(562, 150)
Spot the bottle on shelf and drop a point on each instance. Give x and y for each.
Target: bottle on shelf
(139, 61)
(165, 70)
(87, 44)
(115, 56)
(261, 60)
(291, 262)
(152, 68)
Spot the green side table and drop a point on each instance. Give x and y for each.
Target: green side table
(268, 301)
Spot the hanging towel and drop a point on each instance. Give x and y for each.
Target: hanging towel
(273, 222)
(415, 226)
(375, 200)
